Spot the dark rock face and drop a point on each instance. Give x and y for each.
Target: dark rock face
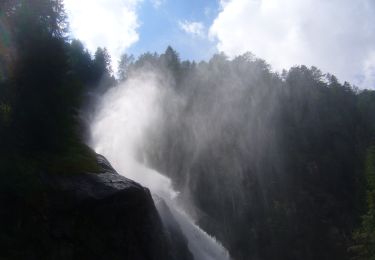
(82, 216)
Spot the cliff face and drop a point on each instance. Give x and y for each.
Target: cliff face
(82, 216)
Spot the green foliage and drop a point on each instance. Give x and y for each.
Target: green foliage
(43, 90)
(171, 60)
(81, 65)
(366, 103)
(282, 155)
(102, 61)
(363, 247)
(5, 113)
(48, 15)
(124, 66)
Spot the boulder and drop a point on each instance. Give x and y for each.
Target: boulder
(81, 216)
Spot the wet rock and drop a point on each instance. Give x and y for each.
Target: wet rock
(82, 216)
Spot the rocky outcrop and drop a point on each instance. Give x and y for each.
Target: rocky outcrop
(82, 216)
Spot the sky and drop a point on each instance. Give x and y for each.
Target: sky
(337, 36)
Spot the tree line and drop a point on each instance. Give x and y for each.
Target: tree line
(288, 157)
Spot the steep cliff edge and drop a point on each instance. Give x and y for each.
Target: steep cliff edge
(81, 216)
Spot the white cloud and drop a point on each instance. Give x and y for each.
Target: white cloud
(193, 28)
(338, 36)
(104, 23)
(157, 3)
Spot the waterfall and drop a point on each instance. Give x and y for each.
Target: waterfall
(118, 130)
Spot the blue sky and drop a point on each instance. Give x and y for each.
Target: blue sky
(161, 26)
(337, 36)
(139, 26)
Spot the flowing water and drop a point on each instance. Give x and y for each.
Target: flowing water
(118, 130)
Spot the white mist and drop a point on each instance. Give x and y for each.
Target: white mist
(125, 114)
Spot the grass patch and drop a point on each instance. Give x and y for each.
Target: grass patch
(79, 158)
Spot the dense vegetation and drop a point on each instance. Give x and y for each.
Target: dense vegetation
(43, 81)
(288, 159)
(278, 165)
